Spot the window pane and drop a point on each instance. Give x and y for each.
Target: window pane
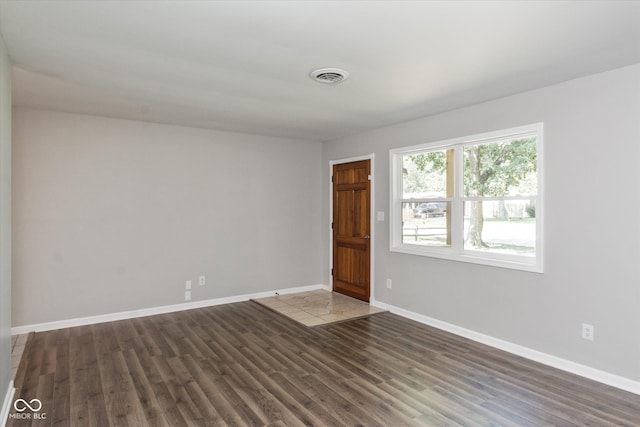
(472, 198)
(502, 168)
(504, 226)
(426, 224)
(424, 175)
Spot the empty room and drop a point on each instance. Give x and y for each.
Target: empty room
(327, 213)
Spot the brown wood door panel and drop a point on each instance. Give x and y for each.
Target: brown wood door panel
(351, 229)
(352, 271)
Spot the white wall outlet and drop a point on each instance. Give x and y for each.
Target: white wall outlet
(187, 295)
(587, 331)
(201, 280)
(389, 284)
(187, 285)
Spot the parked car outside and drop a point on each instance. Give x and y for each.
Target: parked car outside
(431, 209)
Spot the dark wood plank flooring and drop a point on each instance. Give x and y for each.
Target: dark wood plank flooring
(242, 364)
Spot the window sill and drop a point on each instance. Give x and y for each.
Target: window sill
(509, 262)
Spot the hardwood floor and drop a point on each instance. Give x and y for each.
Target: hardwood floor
(242, 364)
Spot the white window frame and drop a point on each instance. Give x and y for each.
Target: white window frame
(456, 251)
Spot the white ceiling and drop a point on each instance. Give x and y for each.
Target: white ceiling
(244, 65)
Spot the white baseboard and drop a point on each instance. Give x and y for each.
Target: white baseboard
(123, 315)
(537, 356)
(6, 405)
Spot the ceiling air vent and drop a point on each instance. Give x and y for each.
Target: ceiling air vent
(330, 76)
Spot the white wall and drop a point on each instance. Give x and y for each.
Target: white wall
(5, 225)
(592, 236)
(114, 215)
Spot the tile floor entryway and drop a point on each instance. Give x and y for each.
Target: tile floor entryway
(316, 308)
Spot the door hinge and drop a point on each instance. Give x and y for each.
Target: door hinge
(332, 271)
(369, 177)
(332, 226)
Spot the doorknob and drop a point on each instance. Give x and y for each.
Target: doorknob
(366, 237)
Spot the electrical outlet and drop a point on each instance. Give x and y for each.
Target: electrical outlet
(389, 284)
(187, 295)
(201, 280)
(187, 285)
(587, 331)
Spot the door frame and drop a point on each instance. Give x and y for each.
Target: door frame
(371, 158)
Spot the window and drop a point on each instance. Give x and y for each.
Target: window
(475, 199)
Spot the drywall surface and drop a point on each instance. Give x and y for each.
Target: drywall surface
(5, 222)
(591, 236)
(114, 215)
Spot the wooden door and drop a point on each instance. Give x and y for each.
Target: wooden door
(352, 229)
